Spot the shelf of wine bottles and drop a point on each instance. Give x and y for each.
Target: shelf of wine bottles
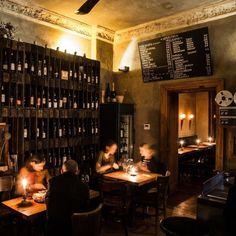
(50, 100)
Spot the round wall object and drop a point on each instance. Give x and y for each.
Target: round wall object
(224, 98)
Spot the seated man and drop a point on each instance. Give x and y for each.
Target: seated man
(66, 195)
(149, 162)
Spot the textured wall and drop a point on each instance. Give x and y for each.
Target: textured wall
(29, 31)
(223, 46)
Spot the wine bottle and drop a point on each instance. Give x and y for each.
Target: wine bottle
(64, 99)
(45, 68)
(50, 99)
(5, 61)
(64, 157)
(55, 100)
(39, 68)
(44, 99)
(75, 104)
(69, 103)
(32, 65)
(3, 95)
(12, 62)
(108, 93)
(19, 99)
(26, 66)
(19, 64)
(44, 133)
(113, 93)
(38, 102)
(25, 130)
(59, 129)
(32, 101)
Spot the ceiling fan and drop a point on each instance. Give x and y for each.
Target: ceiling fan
(86, 7)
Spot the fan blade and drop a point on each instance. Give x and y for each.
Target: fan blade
(87, 7)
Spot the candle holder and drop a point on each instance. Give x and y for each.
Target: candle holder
(24, 202)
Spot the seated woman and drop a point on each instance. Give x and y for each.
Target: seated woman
(106, 158)
(37, 177)
(149, 162)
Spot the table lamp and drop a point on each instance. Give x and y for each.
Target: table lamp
(181, 142)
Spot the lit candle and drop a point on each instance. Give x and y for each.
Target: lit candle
(24, 184)
(133, 171)
(210, 139)
(181, 143)
(198, 141)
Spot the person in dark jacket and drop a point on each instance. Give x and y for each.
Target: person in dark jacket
(66, 195)
(149, 162)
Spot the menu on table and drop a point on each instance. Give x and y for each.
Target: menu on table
(177, 56)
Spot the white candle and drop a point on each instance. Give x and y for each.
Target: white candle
(198, 141)
(210, 139)
(181, 143)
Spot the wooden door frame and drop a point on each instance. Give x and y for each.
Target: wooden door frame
(169, 123)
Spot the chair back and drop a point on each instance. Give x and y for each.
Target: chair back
(162, 187)
(114, 194)
(6, 186)
(87, 223)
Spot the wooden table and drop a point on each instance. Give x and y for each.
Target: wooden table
(140, 179)
(31, 212)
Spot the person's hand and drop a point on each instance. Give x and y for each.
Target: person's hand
(39, 187)
(115, 166)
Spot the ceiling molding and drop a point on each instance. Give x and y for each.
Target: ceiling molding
(44, 16)
(199, 15)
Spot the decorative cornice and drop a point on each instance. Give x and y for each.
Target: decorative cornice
(46, 17)
(105, 34)
(199, 15)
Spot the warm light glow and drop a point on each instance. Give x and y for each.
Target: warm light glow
(198, 141)
(210, 139)
(181, 142)
(133, 171)
(24, 183)
(182, 116)
(129, 54)
(190, 116)
(71, 44)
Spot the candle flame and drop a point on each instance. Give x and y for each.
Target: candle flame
(24, 183)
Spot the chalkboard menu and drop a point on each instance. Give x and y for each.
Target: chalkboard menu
(182, 55)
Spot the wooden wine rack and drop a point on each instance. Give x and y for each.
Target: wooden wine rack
(45, 90)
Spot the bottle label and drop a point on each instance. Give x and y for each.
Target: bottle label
(19, 67)
(44, 135)
(60, 103)
(60, 132)
(85, 76)
(32, 100)
(75, 105)
(96, 130)
(92, 105)
(5, 67)
(44, 101)
(89, 79)
(25, 133)
(71, 73)
(38, 102)
(75, 75)
(55, 104)
(18, 102)
(13, 66)
(26, 65)
(45, 71)
(49, 104)
(96, 79)
(3, 98)
(32, 68)
(37, 133)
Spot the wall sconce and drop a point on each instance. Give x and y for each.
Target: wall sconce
(124, 69)
(190, 118)
(182, 117)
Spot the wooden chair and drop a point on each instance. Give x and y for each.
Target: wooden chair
(156, 199)
(87, 223)
(116, 200)
(6, 186)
